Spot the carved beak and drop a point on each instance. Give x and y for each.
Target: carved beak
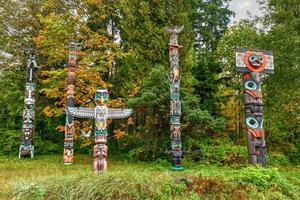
(102, 100)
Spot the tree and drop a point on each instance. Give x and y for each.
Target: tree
(283, 22)
(144, 38)
(210, 21)
(49, 26)
(245, 35)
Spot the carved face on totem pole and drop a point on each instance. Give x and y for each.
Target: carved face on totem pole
(68, 154)
(71, 91)
(175, 131)
(175, 107)
(30, 93)
(254, 61)
(71, 75)
(72, 59)
(100, 155)
(101, 97)
(27, 136)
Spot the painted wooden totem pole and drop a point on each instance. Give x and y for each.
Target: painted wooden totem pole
(69, 127)
(100, 113)
(252, 63)
(175, 107)
(27, 143)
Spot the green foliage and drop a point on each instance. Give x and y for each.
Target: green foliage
(10, 141)
(44, 146)
(151, 111)
(202, 123)
(269, 178)
(141, 185)
(218, 151)
(30, 191)
(23, 179)
(261, 177)
(154, 93)
(283, 109)
(278, 159)
(11, 99)
(118, 184)
(210, 21)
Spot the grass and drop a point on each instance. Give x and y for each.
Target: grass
(45, 177)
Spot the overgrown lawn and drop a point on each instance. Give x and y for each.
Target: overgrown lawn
(45, 177)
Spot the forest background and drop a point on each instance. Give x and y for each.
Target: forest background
(123, 46)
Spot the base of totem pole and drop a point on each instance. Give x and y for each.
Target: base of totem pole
(26, 151)
(177, 168)
(99, 172)
(68, 163)
(256, 151)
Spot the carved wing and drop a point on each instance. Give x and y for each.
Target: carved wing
(82, 112)
(116, 113)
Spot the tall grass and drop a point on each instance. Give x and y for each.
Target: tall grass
(112, 185)
(47, 178)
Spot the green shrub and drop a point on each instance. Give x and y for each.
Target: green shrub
(10, 141)
(217, 151)
(259, 176)
(268, 178)
(277, 158)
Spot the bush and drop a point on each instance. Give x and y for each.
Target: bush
(276, 158)
(268, 178)
(217, 151)
(10, 141)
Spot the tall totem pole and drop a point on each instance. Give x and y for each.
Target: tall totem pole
(100, 113)
(252, 63)
(69, 127)
(175, 107)
(27, 143)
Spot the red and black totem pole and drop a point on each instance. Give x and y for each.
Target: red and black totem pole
(175, 109)
(252, 63)
(69, 127)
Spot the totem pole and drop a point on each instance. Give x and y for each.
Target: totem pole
(100, 113)
(252, 63)
(175, 107)
(69, 127)
(27, 144)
